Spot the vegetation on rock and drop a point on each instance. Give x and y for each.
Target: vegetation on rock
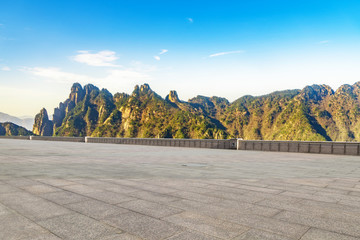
(43, 126)
(11, 129)
(315, 113)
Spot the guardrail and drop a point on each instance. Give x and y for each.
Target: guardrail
(62, 139)
(16, 137)
(341, 148)
(169, 142)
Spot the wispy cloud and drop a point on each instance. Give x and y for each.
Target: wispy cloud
(57, 74)
(113, 77)
(100, 59)
(225, 53)
(324, 42)
(163, 51)
(190, 20)
(5, 68)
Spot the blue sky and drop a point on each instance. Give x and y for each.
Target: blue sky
(223, 48)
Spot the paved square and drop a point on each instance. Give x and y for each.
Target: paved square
(63, 190)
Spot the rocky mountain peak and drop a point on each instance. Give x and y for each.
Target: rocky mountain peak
(136, 91)
(345, 89)
(173, 97)
(89, 88)
(43, 126)
(316, 92)
(76, 93)
(145, 88)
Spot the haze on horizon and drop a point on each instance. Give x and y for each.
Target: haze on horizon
(227, 49)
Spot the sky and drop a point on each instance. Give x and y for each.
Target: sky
(211, 48)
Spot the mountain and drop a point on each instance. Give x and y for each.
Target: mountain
(26, 122)
(90, 111)
(315, 113)
(43, 126)
(11, 129)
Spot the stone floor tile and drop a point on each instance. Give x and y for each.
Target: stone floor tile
(64, 197)
(6, 188)
(32, 208)
(256, 234)
(153, 197)
(226, 189)
(347, 202)
(78, 227)
(192, 235)
(357, 194)
(143, 226)
(311, 197)
(248, 208)
(96, 209)
(278, 197)
(40, 188)
(151, 209)
(18, 198)
(156, 189)
(4, 210)
(21, 182)
(207, 225)
(109, 197)
(14, 226)
(318, 234)
(122, 236)
(120, 189)
(295, 207)
(234, 196)
(56, 182)
(80, 189)
(45, 236)
(259, 189)
(196, 197)
(328, 224)
(280, 227)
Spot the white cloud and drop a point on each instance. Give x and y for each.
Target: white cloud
(5, 68)
(190, 20)
(113, 79)
(225, 53)
(324, 42)
(58, 75)
(100, 59)
(163, 51)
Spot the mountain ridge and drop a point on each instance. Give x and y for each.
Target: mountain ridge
(315, 113)
(26, 122)
(11, 129)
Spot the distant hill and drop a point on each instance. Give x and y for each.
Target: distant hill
(315, 113)
(11, 129)
(26, 122)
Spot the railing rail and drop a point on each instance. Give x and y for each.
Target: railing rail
(340, 148)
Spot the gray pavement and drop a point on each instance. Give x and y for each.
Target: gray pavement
(62, 190)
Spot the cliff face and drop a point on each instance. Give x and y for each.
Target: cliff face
(11, 129)
(313, 113)
(43, 126)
